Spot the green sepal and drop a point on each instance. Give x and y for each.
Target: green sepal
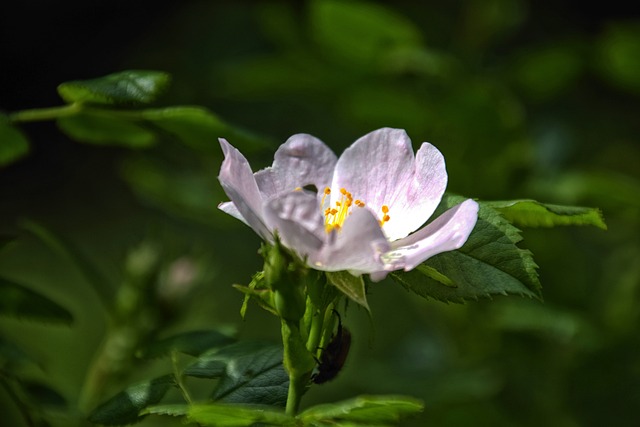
(350, 285)
(126, 87)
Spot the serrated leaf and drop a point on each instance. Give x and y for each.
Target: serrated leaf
(530, 213)
(193, 343)
(222, 415)
(126, 87)
(21, 302)
(13, 144)
(249, 372)
(363, 410)
(196, 127)
(350, 285)
(125, 407)
(106, 129)
(490, 263)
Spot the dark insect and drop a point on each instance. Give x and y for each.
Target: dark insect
(334, 356)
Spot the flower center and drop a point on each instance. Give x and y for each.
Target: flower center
(334, 216)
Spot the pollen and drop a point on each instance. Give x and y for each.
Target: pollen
(336, 212)
(384, 217)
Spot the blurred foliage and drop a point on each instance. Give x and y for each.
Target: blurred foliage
(525, 100)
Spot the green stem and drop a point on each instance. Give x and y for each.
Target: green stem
(298, 362)
(42, 114)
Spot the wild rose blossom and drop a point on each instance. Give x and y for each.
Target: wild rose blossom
(351, 213)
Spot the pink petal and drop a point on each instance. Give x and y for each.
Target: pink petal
(446, 233)
(296, 218)
(302, 160)
(357, 247)
(238, 182)
(381, 169)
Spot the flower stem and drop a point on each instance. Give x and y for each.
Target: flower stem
(298, 362)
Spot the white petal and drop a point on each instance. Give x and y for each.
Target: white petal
(296, 218)
(357, 247)
(302, 160)
(230, 209)
(446, 233)
(238, 182)
(381, 169)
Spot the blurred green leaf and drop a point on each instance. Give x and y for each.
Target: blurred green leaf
(350, 285)
(21, 302)
(12, 356)
(620, 55)
(363, 411)
(194, 126)
(490, 263)
(192, 343)
(530, 213)
(13, 144)
(360, 32)
(546, 71)
(124, 407)
(220, 415)
(126, 87)
(189, 194)
(43, 395)
(250, 373)
(74, 255)
(105, 128)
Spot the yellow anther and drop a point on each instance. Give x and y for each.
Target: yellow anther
(343, 191)
(327, 190)
(386, 218)
(385, 209)
(359, 203)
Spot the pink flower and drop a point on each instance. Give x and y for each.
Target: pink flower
(353, 213)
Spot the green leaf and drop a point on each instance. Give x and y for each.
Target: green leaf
(489, 263)
(196, 127)
(249, 373)
(529, 213)
(125, 407)
(21, 302)
(175, 410)
(350, 285)
(221, 415)
(13, 144)
(193, 343)
(363, 411)
(105, 128)
(126, 87)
